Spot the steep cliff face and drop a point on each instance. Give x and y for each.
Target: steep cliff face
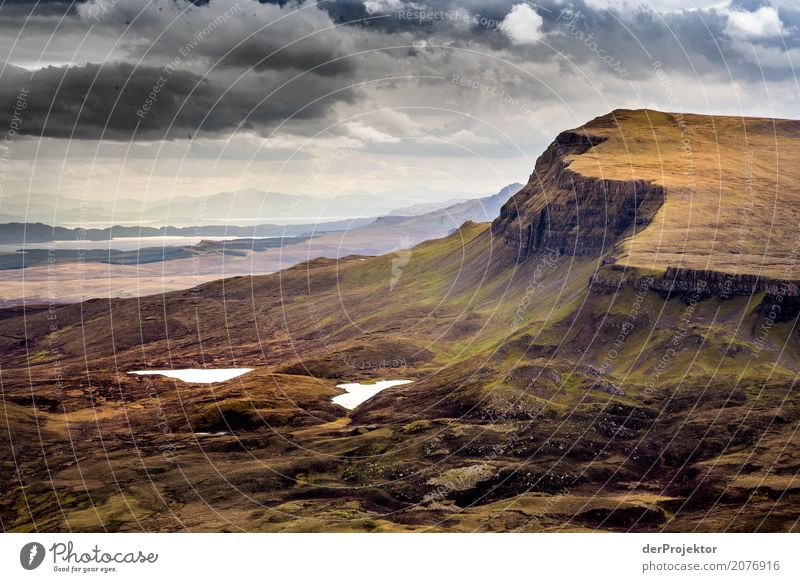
(563, 210)
(729, 222)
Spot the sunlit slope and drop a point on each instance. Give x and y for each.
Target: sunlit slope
(545, 394)
(732, 188)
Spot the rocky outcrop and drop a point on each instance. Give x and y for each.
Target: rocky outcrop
(677, 281)
(570, 213)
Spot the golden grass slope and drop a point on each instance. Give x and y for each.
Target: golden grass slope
(733, 188)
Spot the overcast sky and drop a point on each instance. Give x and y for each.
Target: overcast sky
(156, 98)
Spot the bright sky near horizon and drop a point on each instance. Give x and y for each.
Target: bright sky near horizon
(159, 98)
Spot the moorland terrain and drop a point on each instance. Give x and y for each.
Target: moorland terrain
(616, 351)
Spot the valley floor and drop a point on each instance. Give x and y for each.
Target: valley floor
(538, 403)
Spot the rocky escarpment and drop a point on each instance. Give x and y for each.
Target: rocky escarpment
(678, 281)
(570, 213)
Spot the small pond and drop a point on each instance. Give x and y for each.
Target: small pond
(197, 375)
(358, 392)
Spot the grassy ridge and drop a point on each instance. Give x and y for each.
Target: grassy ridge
(540, 402)
(732, 188)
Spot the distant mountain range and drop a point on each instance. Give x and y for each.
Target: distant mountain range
(36, 232)
(421, 226)
(236, 208)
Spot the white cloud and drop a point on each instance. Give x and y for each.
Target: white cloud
(763, 23)
(466, 137)
(768, 57)
(382, 6)
(368, 134)
(522, 25)
(662, 6)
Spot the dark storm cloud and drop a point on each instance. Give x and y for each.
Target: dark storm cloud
(252, 55)
(271, 42)
(694, 42)
(48, 3)
(685, 40)
(245, 34)
(28, 9)
(118, 101)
